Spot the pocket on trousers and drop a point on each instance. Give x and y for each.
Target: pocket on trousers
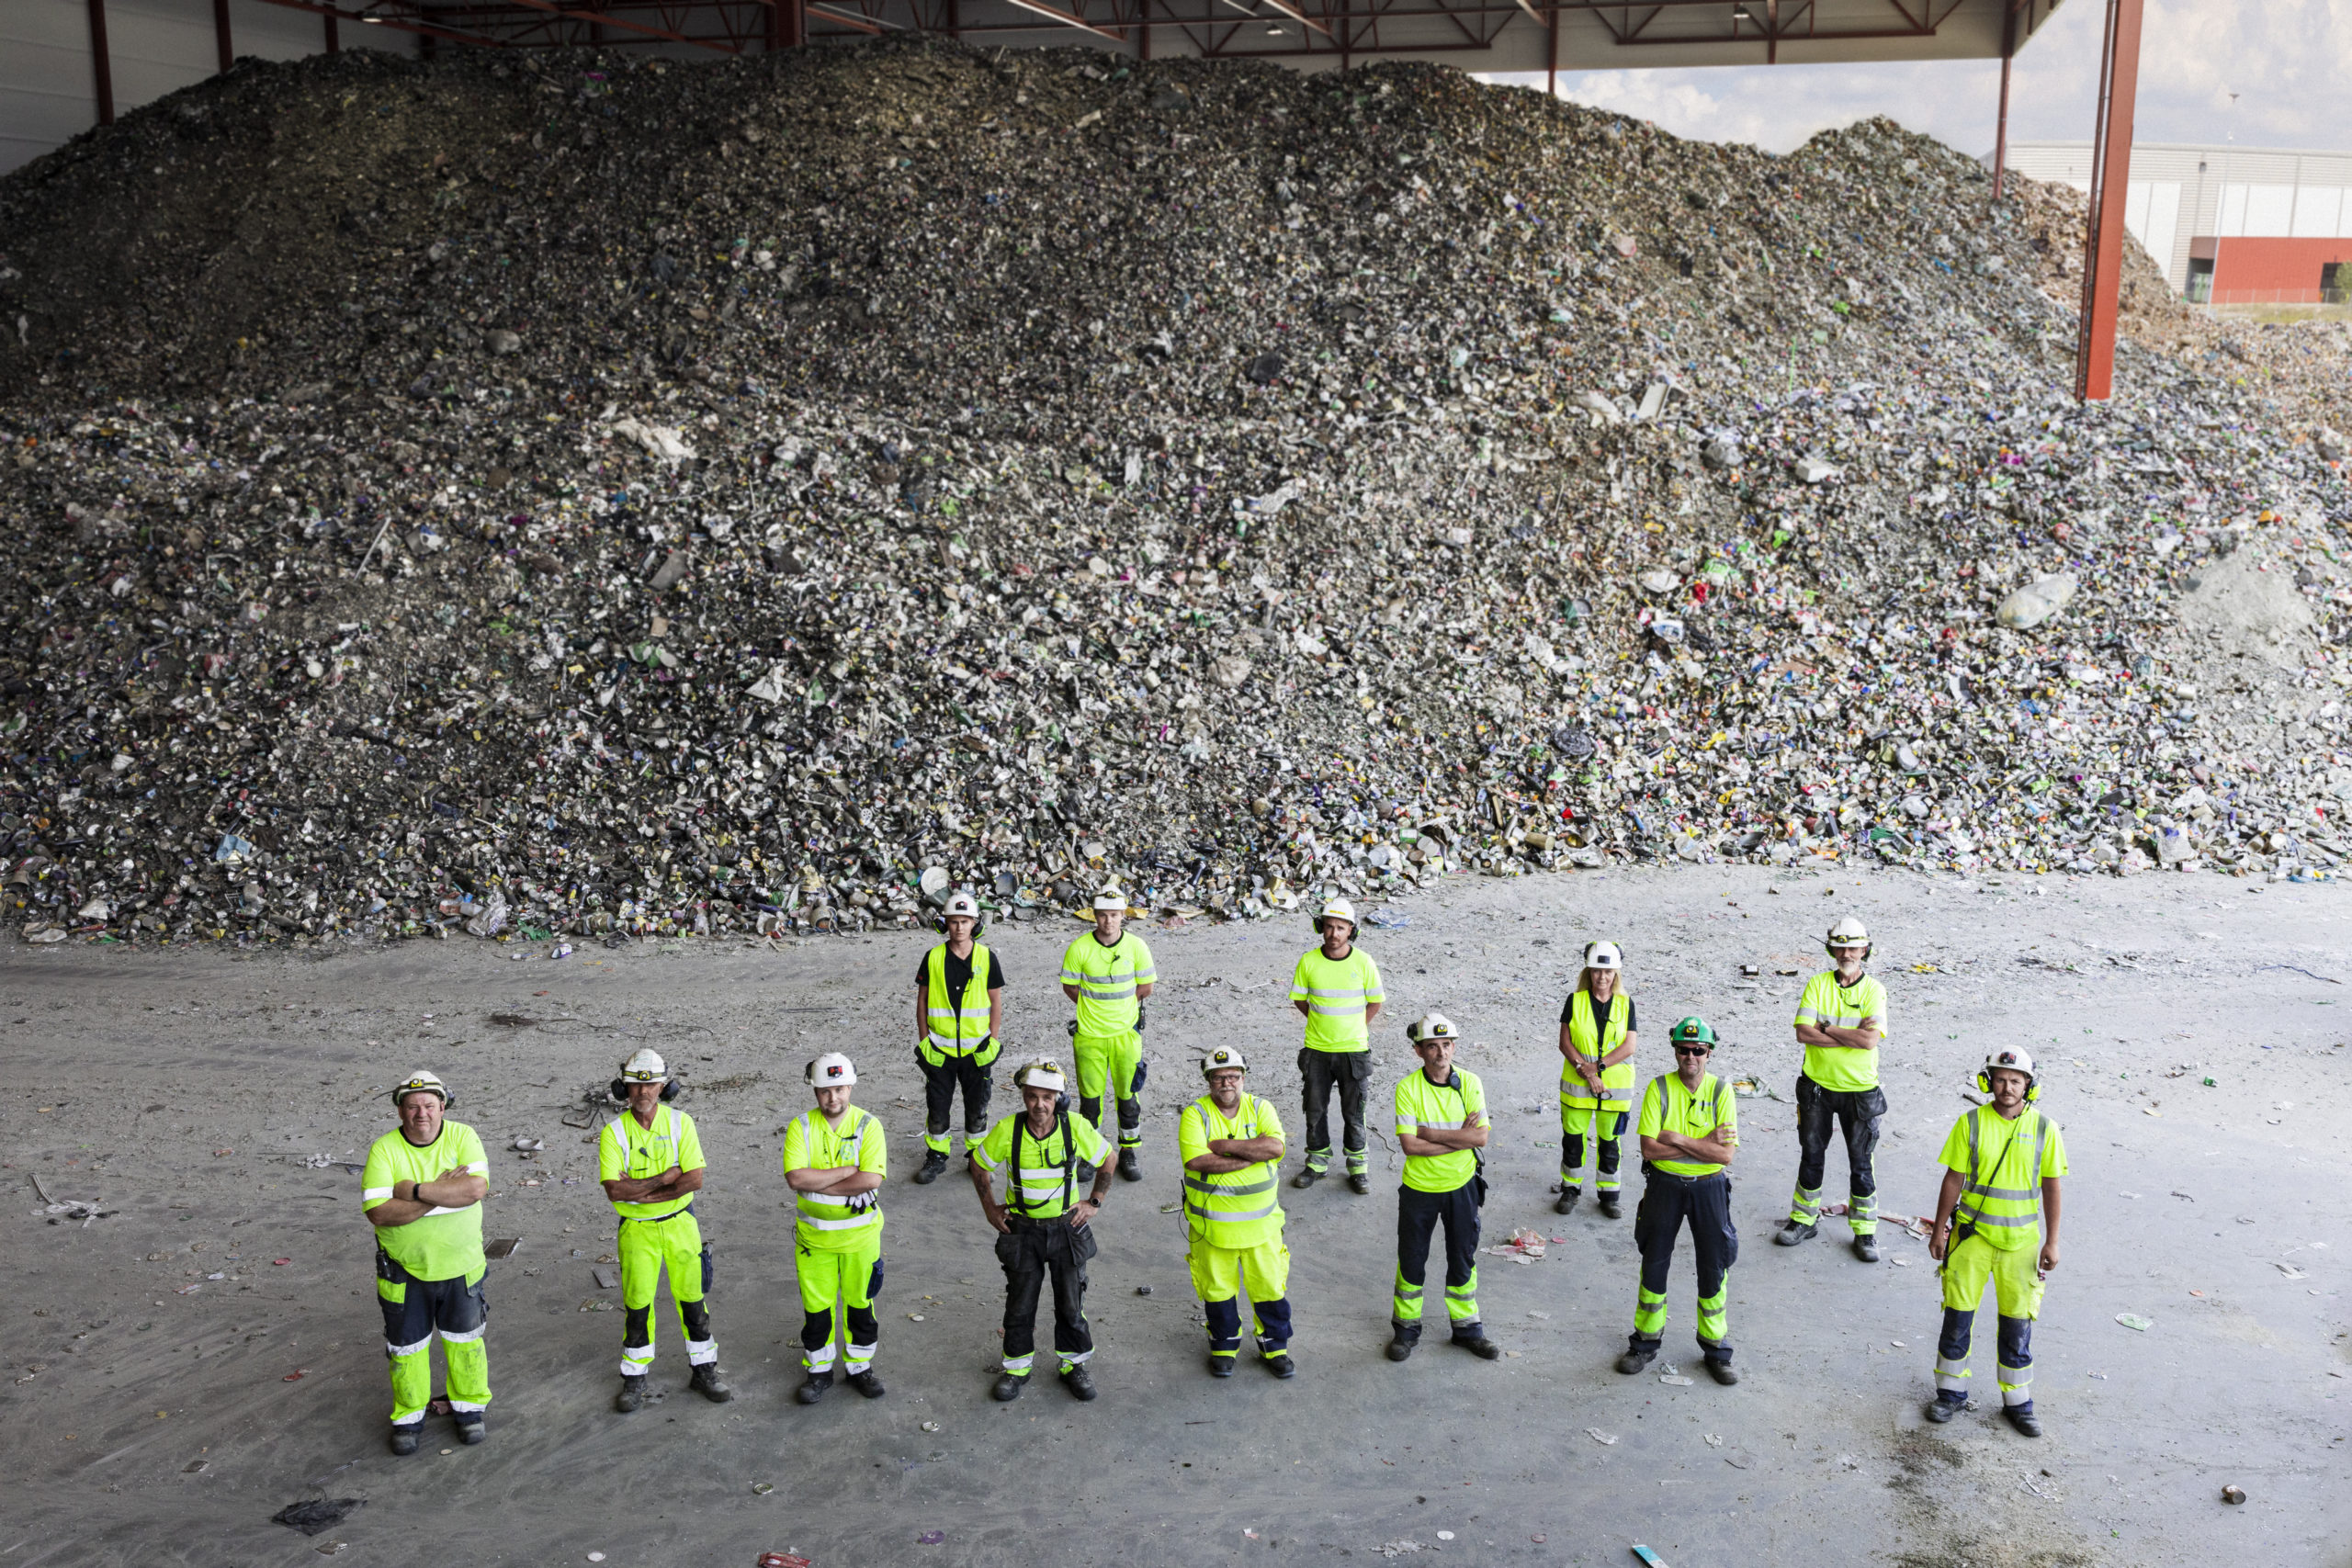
(874, 1280)
(1872, 1104)
(1642, 1223)
(1007, 1247)
(391, 1293)
(1082, 1242)
(708, 1273)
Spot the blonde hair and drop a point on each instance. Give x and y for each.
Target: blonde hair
(1584, 981)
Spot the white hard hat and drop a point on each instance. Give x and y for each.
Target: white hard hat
(644, 1067)
(1431, 1026)
(1041, 1075)
(1603, 955)
(1225, 1058)
(1850, 932)
(2008, 1058)
(1337, 909)
(417, 1082)
(831, 1070)
(961, 904)
(1111, 901)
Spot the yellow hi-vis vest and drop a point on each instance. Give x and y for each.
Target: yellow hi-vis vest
(1592, 1044)
(957, 1024)
(2008, 1217)
(824, 1223)
(1237, 1209)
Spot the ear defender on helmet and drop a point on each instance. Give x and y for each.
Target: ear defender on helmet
(619, 1090)
(2011, 1060)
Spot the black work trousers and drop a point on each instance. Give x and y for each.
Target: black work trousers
(940, 1080)
(1030, 1252)
(1322, 1071)
(1854, 1112)
(1668, 1201)
(1417, 1216)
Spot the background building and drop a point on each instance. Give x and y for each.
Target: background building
(2232, 225)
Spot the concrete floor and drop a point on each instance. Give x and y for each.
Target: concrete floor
(183, 1090)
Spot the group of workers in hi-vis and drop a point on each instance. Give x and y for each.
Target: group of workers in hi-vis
(1042, 1174)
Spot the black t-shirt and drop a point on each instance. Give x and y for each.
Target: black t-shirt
(1600, 1013)
(960, 972)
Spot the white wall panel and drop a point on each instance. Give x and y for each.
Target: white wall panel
(2317, 210)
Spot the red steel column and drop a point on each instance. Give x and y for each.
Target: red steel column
(795, 24)
(2111, 183)
(221, 32)
(334, 34)
(101, 68)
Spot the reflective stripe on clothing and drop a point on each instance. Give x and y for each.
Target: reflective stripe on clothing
(1826, 1004)
(2002, 1164)
(1045, 1184)
(1458, 1104)
(442, 1243)
(1106, 978)
(1233, 1210)
(958, 1023)
(1668, 1106)
(811, 1142)
(1591, 1039)
(1338, 993)
(628, 1150)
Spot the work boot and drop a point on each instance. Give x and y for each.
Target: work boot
(1307, 1178)
(471, 1431)
(707, 1383)
(1221, 1366)
(404, 1438)
(1721, 1370)
(1941, 1410)
(1866, 1248)
(1401, 1345)
(1008, 1387)
(631, 1396)
(2022, 1417)
(1129, 1170)
(1639, 1353)
(1609, 1210)
(1079, 1380)
(868, 1383)
(1567, 1202)
(1279, 1363)
(1790, 1233)
(1478, 1345)
(812, 1391)
(1360, 1184)
(933, 1163)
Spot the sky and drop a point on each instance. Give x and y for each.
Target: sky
(2262, 72)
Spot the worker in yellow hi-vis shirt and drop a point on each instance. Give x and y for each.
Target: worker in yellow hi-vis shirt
(2002, 1164)
(422, 1190)
(1108, 972)
(650, 1162)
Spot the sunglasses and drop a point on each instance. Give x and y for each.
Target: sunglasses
(1693, 1050)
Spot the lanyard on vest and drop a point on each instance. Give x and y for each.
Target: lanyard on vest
(1981, 1176)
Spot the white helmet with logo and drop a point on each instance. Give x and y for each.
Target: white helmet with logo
(962, 904)
(1848, 932)
(644, 1067)
(1603, 955)
(1431, 1026)
(421, 1082)
(1110, 901)
(2009, 1059)
(1223, 1059)
(1041, 1075)
(1337, 909)
(831, 1070)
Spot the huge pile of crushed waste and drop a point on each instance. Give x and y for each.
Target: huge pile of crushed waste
(577, 493)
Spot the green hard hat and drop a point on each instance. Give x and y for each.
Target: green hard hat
(1689, 1029)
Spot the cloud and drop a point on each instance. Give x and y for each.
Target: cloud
(2286, 60)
